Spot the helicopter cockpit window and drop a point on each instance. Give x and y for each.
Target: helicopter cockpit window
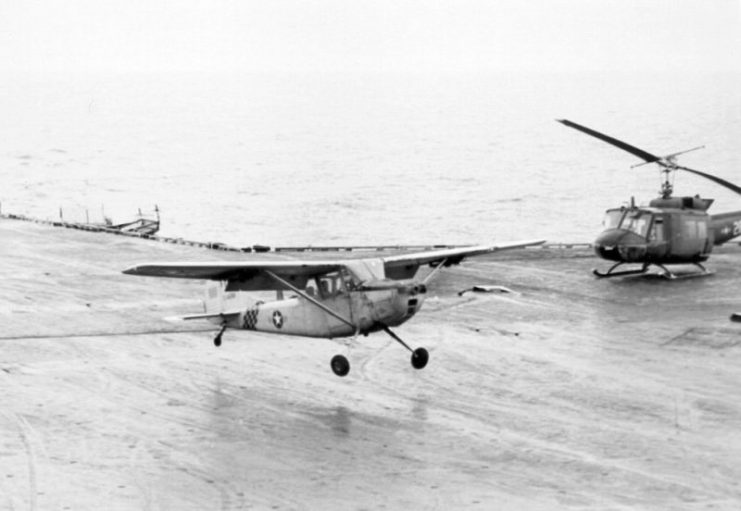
(637, 223)
(612, 218)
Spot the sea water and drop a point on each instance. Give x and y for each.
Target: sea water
(359, 158)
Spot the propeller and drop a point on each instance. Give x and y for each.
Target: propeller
(668, 162)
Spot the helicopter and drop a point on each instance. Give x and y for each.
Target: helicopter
(670, 230)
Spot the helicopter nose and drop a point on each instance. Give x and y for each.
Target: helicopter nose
(620, 245)
(605, 246)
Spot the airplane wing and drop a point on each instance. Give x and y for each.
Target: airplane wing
(227, 270)
(252, 275)
(405, 265)
(241, 275)
(453, 255)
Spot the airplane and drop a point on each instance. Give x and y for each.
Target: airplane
(331, 299)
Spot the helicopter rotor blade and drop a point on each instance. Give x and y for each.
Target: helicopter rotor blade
(714, 179)
(648, 157)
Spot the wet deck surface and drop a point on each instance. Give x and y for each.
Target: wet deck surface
(571, 393)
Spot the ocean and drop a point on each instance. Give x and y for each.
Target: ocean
(359, 158)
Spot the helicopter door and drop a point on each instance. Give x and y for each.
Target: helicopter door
(693, 236)
(657, 237)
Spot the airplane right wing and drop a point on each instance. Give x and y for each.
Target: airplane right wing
(453, 255)
(404, 266)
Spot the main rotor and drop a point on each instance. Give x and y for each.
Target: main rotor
(668, 166)
(667, 163)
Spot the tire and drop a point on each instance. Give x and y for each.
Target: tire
(340, 365)
(420, 357)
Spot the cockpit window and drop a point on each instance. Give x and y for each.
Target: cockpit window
(636, 222)
(612, 218)
(330, 284)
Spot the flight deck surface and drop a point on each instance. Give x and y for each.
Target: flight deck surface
(567, 393)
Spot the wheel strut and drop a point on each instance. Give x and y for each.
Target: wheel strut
(420, 356)
(217, 339)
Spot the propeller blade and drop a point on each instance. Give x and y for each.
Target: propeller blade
(648, 157)
(714, 179)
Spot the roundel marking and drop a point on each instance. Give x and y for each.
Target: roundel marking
(278, 319)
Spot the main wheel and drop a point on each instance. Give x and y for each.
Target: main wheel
(217, 340)
(340, 365)
(420, 358)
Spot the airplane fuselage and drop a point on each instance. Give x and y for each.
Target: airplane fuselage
(366, 310)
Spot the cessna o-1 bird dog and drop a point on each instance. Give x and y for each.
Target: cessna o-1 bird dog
(336, 298)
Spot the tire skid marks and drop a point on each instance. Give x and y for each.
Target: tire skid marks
(29, 438)
(171, 406)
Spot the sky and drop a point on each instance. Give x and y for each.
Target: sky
(375, 35)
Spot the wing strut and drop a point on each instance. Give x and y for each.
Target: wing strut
(434, 271)
(309, 298)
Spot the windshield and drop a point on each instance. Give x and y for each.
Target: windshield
(612, 218)
(637, 222)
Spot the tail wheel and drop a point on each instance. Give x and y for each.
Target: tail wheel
(420, 357)
(340, 365)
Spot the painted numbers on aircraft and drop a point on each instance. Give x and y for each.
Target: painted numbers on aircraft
(278, 319)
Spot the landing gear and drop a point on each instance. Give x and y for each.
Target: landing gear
(217, 339)
(665, 272)
(612, 273)
(420, 356)
(340, 365)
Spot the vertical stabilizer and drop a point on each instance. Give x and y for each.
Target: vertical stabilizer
(213, 300)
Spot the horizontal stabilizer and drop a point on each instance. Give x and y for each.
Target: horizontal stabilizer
(209, 315)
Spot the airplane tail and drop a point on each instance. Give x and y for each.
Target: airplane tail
(214, 305)
(213, 300)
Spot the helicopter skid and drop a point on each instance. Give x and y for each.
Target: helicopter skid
(609, 274)
(612, 273)
(664, 273)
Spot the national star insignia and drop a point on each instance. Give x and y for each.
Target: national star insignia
(278, 319)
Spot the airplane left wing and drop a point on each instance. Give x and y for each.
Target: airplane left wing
(226, 270)
(241, 275)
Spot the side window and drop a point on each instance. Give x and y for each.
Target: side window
(311, 287)
(329, 285)
(657, 230)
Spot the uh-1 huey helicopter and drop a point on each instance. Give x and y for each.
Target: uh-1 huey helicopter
(670, 230)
